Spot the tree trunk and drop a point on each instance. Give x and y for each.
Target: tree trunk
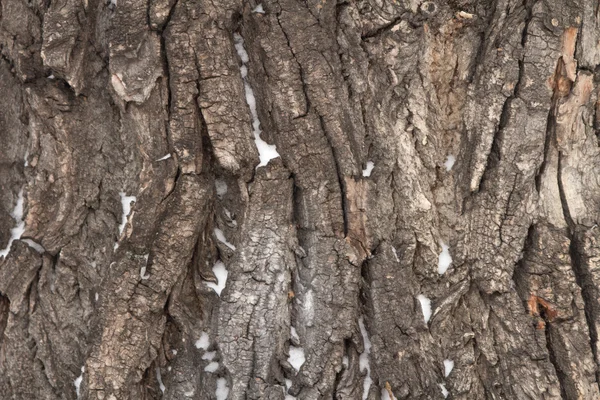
(359, 200)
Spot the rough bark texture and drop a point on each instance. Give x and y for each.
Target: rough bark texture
(95, 94)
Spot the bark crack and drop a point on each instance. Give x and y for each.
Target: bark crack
(495, 152)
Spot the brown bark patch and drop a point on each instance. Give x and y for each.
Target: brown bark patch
(539, 307)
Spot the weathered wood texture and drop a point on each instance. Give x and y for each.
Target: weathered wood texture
(95, 96)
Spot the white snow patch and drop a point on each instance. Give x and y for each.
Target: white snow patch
(159, 379)
(221, 187)
(385, 395)
(444, 259)
(174, 352)
(113, 3)
(78, 380)
(230, 216)
(25, 158)
(203, 342)
(96, 296)
(448, 367)
(212, 367)
(288, 385)
(221, 273)
(17, 231)
(165, 157)
(395, 254)
(34, 245)
(296, 358)
(364, 364)
(367, 171)
(221, 237)
(209, 355)
(266, 151)
(444, 390)
(51, 76)
(449, 162)
(259, 9)
(126, 203)
(425, 307)
(222, 389)
(143, 274)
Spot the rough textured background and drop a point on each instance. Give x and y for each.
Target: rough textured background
(93, 96)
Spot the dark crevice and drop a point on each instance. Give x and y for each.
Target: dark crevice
(580, 268)
(177, 176)
(484, 37)
(589, 291)
(297, 221)
(323, 127)
(495, 153)
(478, 59)
(564, 380)
(380, 30)
(519, 275)
(4, 311)
(340, 176)
(563, 198)
(165, 57)
(168, 20)
(550, 127)
(301, 70)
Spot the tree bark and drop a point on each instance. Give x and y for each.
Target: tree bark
(153, 251)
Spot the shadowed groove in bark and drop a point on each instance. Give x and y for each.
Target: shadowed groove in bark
(494, 154)
(340, 177)
(4, 310)
(566, 384)
(589, 291)
(550, 126)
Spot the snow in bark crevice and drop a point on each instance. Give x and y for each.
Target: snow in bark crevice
(77, 382)
(221, 238)
(368, 169)
(17, 231)
(364, 364)
(425, 307)
(449, 163)
(221, 274)
(266, 151)
(444, 259)
(448, 367)
(222, 389)
(126, 205)
(296, 357)
(159, 380)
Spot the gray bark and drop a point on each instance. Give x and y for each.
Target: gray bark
(322, 257)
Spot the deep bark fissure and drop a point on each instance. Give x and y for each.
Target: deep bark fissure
(562, 377)
(340, 176)
(494, 154)
(589, 292)
(550, 127)
(383, 28)
(563, 199)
